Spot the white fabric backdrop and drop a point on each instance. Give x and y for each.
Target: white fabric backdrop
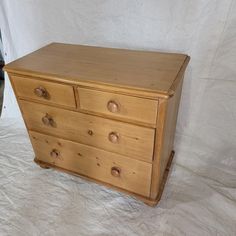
(204, 29)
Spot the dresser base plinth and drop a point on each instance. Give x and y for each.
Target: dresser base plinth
(148, 201)
(43, 165)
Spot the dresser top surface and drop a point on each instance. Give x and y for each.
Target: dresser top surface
(138, 70)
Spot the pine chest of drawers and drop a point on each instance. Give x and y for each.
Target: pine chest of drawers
(108, 115)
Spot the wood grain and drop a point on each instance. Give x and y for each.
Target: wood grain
(136, 70)
(146, 200)
(135, 175)
(128, 107)
(134, 141)
(164, 140)
(57, 93)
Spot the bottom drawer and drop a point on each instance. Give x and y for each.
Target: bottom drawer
(129, 174)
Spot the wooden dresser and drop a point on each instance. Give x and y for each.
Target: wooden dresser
(108, 115)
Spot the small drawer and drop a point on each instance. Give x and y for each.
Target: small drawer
(119, 137)
(40, 90)
(123, 172)
(122, 106)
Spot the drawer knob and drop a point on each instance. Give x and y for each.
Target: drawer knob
(112, 106)
(47, 120)
(113, 137)
(54, 153)
(41, 92)
(115, 171)
(90, 132)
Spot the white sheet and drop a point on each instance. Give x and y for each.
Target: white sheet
(200, 197)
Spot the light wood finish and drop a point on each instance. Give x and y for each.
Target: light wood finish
(169, 128)
(166, 123)
(52, 93)
(105, 166)
(135, 70)
(146, 200)
(108, 115)
(118, 105)
(134, 141)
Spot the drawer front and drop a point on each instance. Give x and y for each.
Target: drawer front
(117, 105)
(115, 136)
(49, 92)
(123, 172)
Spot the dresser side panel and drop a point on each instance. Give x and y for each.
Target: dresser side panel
(164, 140)
(158, 148)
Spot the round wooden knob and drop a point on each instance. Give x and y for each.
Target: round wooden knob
(54, 153)
(113, 137)
(112, 106)
(41, 92)
(115, 171)
(47, 120)
(90, 132)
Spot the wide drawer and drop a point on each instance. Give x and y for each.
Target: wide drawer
(115, 136)
(123, 172)
(117, 105)
(49, 92)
